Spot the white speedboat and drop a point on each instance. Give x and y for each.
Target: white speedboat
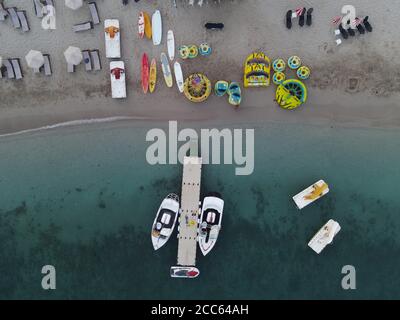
(210, 221)
(184, 272)
(165, 221)
(324, 236)
(311, 194)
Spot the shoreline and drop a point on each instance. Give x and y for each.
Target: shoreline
(334, 100)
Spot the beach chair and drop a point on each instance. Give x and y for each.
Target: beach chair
(95, 60)
(14, 17)
(38, 8)
(17, 68)
(3, 12)
(24, 22)
(367, 25)
(82, 26)
(70, 68)
(9, 67)
(87, 60)
(94, 12)
(302, 17)
(47, 65)
(343, 32)
(350, 30)
(309, 17)
(289, 19)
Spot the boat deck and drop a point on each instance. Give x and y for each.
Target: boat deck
(189, 212)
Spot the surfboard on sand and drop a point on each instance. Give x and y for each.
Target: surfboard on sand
(147, 25)
(141, 24)
(156, 26)
(171, 45)
(153, 75)
(166, 70)
(178, 75)
(145, 72)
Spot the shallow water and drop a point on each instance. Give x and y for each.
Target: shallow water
(83, 199)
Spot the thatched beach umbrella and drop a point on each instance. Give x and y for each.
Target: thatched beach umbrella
(74, 4)
(34, 59)
(73, 55)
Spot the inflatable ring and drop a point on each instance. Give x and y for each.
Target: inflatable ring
(294, 62)
(204, 49)
(303, 73)
(279, 65)
(193, 51)
(184, 52)
(291, 94)
(278, 78)
(197, 87)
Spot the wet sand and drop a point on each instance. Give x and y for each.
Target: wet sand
(356, 84)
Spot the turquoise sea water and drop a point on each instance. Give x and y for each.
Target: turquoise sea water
(83, 199)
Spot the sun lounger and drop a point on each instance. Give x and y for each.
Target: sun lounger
(14, 17)
(17, 68)
(24, 22)
(38, 8)
(3, 12)
(95, 60)
(94, 12)
(367, 25)
(87, 60)
(9, 67)
(83, 26)
(47, 65)
(70, 68)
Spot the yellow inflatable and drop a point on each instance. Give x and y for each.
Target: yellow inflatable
(291, 94)
(197, 87)
(257, 70)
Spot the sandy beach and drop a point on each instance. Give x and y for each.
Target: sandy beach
(356, 84)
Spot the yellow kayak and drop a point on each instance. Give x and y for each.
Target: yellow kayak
(147, 25)
(153, 75)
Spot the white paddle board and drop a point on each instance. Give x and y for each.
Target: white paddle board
(178, 76)
(157, 27)
(171, 45)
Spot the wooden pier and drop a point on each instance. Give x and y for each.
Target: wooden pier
(189, 212)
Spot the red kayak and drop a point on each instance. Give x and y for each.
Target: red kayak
(145, 72)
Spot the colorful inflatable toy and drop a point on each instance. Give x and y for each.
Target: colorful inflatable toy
(221, 87)
(303, 73)
(184, 52)
(197, 87)
(291, 94)
(257, 70)
(278, 78)
(235, 94)
(193, 51)
(294, 62)
(279, 65)
(205, 49)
